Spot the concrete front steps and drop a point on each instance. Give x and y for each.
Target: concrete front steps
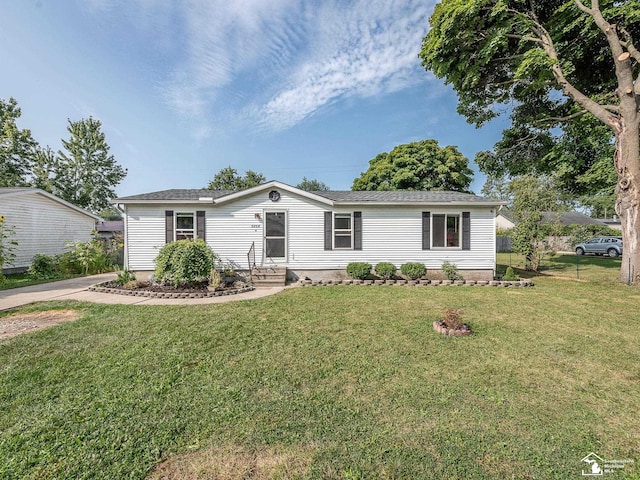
(269, 276)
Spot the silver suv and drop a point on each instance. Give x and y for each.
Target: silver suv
(611, 246)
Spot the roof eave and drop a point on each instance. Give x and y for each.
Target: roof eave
(416, 204)
(272, 184)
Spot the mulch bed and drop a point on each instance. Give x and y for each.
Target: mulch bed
(168, 291)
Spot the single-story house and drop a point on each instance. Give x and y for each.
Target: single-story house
(316, 234)
(43, 223)
(614, 222)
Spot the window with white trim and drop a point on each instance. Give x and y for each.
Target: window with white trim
(446, 231)
(342, 231)
(185, 226)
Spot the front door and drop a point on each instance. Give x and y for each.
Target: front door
(275, 236)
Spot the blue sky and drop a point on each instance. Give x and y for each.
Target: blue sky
(287, 88)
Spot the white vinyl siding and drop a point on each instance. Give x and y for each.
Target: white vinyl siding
(43, 225)
(389, 233)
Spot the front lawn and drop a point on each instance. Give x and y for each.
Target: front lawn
(330, 382)
(568, 266)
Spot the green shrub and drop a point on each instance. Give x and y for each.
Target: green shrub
(359, 270)
(215, 279)
(124, 276)
(94, 256)
(413, 270)
(451, 271)
(510, 275)
(385, 270)
(43, 267)
(68, 263)
(184, 262)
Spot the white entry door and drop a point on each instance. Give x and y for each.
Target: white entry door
(275, 236)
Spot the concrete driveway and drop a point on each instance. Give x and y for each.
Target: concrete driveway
(77, 289)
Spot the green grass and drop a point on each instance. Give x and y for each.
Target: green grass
(566, 266)
(16, 280)
(331, 382)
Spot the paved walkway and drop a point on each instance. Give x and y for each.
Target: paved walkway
(77, 289)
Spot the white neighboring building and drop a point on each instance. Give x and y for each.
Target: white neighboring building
(43, 223)
(316, 234)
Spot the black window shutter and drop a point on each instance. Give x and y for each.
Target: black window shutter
(328, 230)
(168, 226)
(200, 225)
(466, 230)
(426, 230)
(357, 230)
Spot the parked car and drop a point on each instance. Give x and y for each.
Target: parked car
(611, 246)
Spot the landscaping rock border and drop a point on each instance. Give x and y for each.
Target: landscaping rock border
(419, 283)
(458, 332)
(146, 293)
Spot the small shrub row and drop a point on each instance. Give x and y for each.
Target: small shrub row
(450, 271)
(386, 270)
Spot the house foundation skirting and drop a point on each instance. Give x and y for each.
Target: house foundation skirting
(295, 275)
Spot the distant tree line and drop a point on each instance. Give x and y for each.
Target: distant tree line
(420, 165)
(83, 173)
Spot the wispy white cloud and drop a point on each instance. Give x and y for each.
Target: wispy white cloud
(277, 62)
(364, 50)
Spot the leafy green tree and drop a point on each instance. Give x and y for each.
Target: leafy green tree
(601, 205)
(558, 66)
(533, 197)
(43, 170)
(312, 185)
(110, 213)
(417, 166)
(17, 147)
(229, 179)
(87, 174)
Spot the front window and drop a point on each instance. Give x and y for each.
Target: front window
(185, 226)
(446, 231)
(343, 231)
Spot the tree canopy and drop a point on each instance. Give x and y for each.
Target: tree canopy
(312, 185)
(417, 166)
(85, 174)
(17, 147)
(229, 179)
(567, 72)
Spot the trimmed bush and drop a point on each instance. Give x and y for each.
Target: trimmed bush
(510, 275)
(124, 276)
(184, 262)
(385, 270)
(413, 270)
(451, 271)
(359, 270)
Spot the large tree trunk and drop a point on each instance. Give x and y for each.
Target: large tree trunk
(627, 161)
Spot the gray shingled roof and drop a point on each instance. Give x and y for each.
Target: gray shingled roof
(393, 197)
(403, 196)
(178, 194)
(572, 218)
